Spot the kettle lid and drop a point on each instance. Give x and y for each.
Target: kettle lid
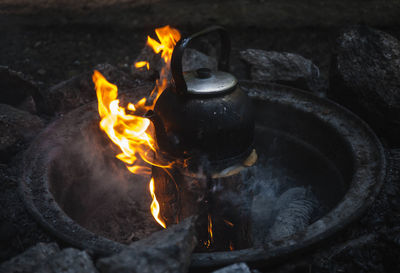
(203, 81)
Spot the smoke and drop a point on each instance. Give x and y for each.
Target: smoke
(293, 212)
(265, 202)
(279, 207)
(95, 189)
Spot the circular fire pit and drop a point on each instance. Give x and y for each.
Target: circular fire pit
(74, 186)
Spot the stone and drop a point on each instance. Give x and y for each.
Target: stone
(28, 105)
(26, 261)
(68, 260)
(285, 68)
(393, 235)
(79, 90)
(17, 128)
(15, 88)
(234, 268)
(42, 72)
(167, 251)
(365, 77)
(193, 59)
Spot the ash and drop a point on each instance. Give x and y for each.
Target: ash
(279, 207)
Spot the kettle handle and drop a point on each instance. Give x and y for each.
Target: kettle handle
(177, 54)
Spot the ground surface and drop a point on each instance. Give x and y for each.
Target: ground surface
(55, 53)
(269, 14)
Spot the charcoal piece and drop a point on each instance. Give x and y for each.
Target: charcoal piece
(26, 261)
(79, 90)
(68, 260)
(294, 210)
(365, 77)
(285, 68)
(15, 88)
(17, 127)
(164, 251)
(234, 268)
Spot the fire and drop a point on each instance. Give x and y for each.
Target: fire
(168, 37)
(129, 131)
(210, 240)
(155, 207)
(142, 64)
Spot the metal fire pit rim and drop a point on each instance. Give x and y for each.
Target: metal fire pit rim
(257, 256)
(263, 256)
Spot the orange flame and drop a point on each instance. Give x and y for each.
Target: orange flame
(155, 207)
(168, 38)
(129, 131)
(142, 64)
(210, 240)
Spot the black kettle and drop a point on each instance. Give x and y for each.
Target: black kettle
(203, 114)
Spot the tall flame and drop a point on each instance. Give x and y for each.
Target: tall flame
(155, 207)
(129, 131)
(168, 37)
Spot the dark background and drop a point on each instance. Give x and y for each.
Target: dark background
(54, 40)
